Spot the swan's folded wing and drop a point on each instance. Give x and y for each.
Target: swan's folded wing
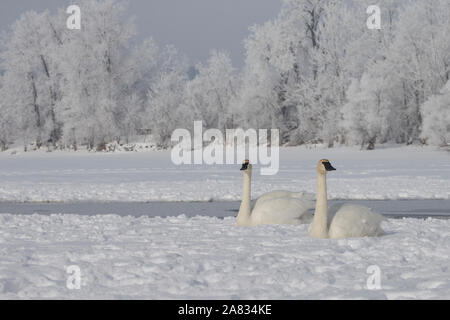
(283, 211)
(332, 210)
(354, 221)
(273, 195)
(277, 194)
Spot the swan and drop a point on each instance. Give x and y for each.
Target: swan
(277, 207)
(342, 220)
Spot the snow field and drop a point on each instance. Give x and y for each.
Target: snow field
(386, 173)
(210, 258)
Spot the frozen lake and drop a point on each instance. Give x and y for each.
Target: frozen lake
(221, 209)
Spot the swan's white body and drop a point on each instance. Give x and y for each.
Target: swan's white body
(289, 208)
(353, 221)
(276, 207)
(283, 194)
(341, 221)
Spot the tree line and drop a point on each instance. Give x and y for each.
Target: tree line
(315, 72)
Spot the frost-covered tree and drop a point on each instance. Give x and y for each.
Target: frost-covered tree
(165, 110)
(31, 76)
(299, 63)
(258, 99)
(210, 93)
(87, 86)
(307, 57)
(436, 118)
(274, 52)
(7, 129)
(315, 71)
(141, 69)
(416, 64)
(366, 115)
(94, 71)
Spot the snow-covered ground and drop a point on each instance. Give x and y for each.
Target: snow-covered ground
(386, 173)
(210, 258)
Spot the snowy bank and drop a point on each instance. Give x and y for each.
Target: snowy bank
(386, 173)
(210, 258)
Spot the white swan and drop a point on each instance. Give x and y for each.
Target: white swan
(277, 207)
(341, 221)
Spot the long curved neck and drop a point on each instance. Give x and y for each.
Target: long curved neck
(319, 227)
(243, 217)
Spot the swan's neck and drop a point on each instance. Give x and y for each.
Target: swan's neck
(243, 217)
(319, 227)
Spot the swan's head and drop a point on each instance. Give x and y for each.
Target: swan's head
(246, 166)
(324, 166)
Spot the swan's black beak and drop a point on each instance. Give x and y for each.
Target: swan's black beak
(328, 166)
(245, 165)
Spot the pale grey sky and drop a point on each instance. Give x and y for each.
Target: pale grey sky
(193, 26)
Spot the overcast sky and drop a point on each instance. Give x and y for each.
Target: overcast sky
(193, 26)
